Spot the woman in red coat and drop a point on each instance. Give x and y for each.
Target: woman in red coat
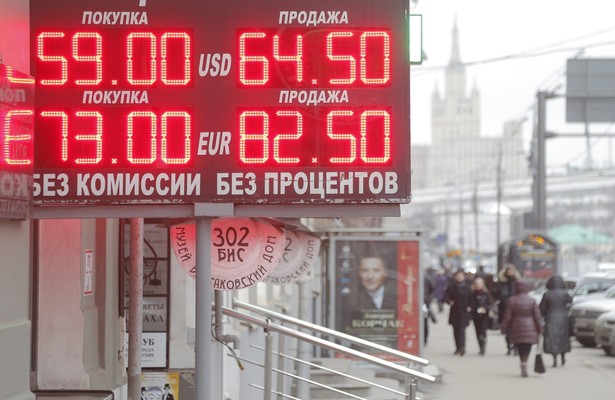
(522, 320)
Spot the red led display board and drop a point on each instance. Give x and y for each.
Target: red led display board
(16, 142)
(245, 102)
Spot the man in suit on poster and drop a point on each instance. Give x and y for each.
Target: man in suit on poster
(167, 393)
(377, 290)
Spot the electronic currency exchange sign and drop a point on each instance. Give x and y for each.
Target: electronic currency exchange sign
(16, 143)
(242, 101)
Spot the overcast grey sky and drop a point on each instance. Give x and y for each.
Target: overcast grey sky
(535, 37)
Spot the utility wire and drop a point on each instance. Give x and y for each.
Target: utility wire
(535, 52)
(584, 152)
(547, 46)
(423, 71)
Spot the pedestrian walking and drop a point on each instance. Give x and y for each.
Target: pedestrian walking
(428, 315)
(507, 279)
(458, 297)
(523, 321)
(480, 303)
(554, 306)
(440, 285)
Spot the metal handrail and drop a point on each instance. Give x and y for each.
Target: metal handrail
(275, 392)
(321, 385)
(320, 367)
(329, 332)
(67, 393)
(327, 344)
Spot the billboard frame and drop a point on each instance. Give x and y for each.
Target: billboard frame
(371, 235)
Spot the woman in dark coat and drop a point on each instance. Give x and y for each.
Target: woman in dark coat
(522, 320)
(458, 296)
(480, 303)
(505, 289)
(554, 307)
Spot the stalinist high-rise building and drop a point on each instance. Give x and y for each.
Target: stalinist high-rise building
(458, 153)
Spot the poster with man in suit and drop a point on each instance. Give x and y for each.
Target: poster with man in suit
(377, 292)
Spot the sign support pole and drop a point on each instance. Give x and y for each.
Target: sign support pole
(135, 310)
(205, 386)
(540, 194)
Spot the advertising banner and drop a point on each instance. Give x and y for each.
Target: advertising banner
(153, 349)
(244, 251)
(300, 254)
(160, 386)
(376, 290)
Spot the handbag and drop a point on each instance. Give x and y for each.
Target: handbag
(539, 365)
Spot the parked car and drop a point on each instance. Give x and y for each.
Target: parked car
(590, 286)
(581, 288)
(603, 332)
(612, 340)
(587, 312)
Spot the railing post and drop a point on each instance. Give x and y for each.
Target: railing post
(411, 390)
(268, 367)
(281, 365)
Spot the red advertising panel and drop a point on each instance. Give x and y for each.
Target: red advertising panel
(242, 101)
(377, 291)
(16, 143)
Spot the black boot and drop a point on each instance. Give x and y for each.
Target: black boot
(563, 359)
(554, 360)
(482, 344)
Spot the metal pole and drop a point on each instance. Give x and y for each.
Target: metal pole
(304, 351)
(498, 223)
(268, 365)
(475, 210)
(204, 387)
(588, 157)
(135, 309)
(541, 176)
(461, 227)
(281, 366)
(412, 389)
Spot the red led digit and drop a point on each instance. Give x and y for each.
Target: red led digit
(186, 60)
(10, 139)
(263, 136)
(278, 138)
(386, 129)
(130, 142)
(164, 128)
(63, 128)
(96, 58)
(95, 137)
(342, 136)
(130, 42)
(55, 59)
(352, 63)
(12, 79)
(297, 58)
(244, 59)
(386, 67)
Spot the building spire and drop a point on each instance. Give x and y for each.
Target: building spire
(455, 57)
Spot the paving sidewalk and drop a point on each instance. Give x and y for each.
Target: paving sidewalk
(588, 373)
